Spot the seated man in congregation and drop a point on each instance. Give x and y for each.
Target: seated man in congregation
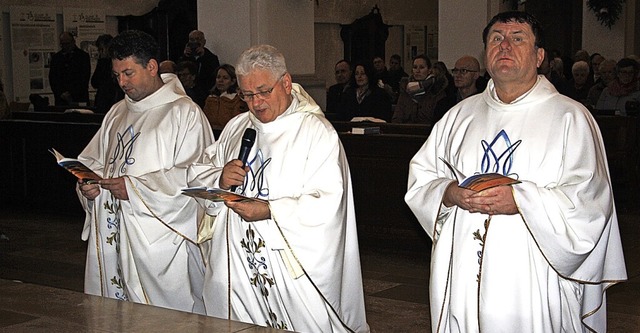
(578, 86)
(606, 75)
(396, 74)
(364, 98)
(168, 66)
(342, 74)
(467, 81)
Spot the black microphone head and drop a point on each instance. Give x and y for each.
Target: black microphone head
(249, 136)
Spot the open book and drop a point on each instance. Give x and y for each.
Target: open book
(371, 119)
(81, 171)
(215, 194)
(480, 181)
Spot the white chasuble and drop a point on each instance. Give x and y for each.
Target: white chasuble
(299, 270)
(143, 249)
(545, 269)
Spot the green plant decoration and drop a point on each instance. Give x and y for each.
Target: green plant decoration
(607, 11)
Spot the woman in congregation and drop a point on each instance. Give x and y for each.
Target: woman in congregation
(419, 95)
(364, 98)
(224, 103)
(623, 89)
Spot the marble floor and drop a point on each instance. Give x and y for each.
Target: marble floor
(46, 249)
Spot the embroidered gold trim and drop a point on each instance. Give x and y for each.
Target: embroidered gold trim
(446, 289)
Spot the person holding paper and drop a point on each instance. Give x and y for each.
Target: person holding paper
(141, 230)
(290, 261)
(535, 256)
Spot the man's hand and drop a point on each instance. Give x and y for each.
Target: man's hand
(89, 191)
(116, 186)
(493, 201)
(457, 196)
(233, 174)
(187, 51)
(190, 51)
(250, 210)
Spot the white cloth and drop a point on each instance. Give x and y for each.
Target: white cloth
(294, 270)
(141, 250)
(541, 270)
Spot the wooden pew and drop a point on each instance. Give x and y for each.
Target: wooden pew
(621, 140)
(29, 173)
(379, 167)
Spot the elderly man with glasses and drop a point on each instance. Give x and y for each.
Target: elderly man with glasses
(287, 258)
(466, 79)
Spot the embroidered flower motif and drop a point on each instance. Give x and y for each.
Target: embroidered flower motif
(113, 208)
(260, 279)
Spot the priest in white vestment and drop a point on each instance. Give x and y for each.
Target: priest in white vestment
(292, 261)
(141, 230)
(537, 256)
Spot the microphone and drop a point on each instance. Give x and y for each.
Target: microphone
(248, 138)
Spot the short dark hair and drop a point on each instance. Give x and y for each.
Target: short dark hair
(104, 40)
(188, 65)
(519, 17)
(627, 62)
(343, 60)
(134, 43)
(396, 57)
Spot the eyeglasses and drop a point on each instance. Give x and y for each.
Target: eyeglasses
(462, 71)
(262, 95)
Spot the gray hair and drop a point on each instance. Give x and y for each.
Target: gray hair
(261, 57)
(580, 65)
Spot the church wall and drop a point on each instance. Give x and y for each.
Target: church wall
(231, 26)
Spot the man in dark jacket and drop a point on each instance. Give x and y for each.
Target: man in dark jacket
(69, 73)
(206, 61)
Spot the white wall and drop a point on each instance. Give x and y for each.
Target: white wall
(460, 25)
(231, 27)
(599, 38)
(226, 27)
